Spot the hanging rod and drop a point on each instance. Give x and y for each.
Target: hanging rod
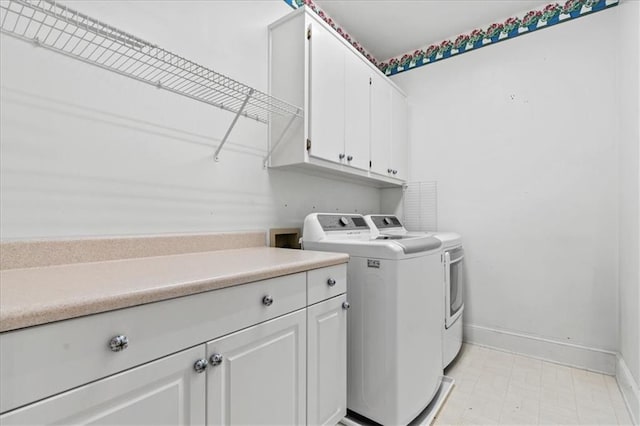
(56, 27)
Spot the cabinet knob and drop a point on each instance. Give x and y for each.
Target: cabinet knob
(216, 359)
(119, 343)
(200, 365)
(345, 305)
(389, 170)
(349, 158)
(395, 172)
(341, 156)
(331, 282)
(267, 300)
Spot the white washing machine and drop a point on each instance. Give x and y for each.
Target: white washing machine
(452, 266)
(394, 349)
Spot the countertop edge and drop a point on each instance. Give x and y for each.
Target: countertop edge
(17, 319)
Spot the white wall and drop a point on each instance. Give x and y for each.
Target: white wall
(629, 192)
(521, 138)
(88, 152)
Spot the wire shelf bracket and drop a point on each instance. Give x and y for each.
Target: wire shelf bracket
(53, 26)
(216, 155)
(280, 138)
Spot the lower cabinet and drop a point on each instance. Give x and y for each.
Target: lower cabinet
(257, 375)
(164, 392)
(286, 369)
(327, 361)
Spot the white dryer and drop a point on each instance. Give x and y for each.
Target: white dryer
(452, 274)
(394, 352)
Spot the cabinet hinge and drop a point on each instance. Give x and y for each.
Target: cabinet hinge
(309, 33)
(308, 144)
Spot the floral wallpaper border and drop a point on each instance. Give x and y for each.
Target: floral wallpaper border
(523, 23)
(299, 3)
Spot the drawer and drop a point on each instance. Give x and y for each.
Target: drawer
(325, 283)
(40, 361)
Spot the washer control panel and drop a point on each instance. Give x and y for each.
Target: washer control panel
(337, 222)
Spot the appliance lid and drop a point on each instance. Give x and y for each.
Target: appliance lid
(417, 245)
(449, 239)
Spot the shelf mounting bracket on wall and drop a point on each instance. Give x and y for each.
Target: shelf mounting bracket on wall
(216, 155)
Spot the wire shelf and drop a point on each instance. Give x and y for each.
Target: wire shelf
(59, 28)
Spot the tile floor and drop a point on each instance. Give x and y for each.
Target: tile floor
(499, 388)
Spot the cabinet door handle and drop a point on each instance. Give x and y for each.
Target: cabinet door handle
(389, 170)
(331, 282)
(395, 172)
(267, 300)
(341, 156)
(216, 359)
(349, 158)
(346, 305)
(119, 343)
(200, 365)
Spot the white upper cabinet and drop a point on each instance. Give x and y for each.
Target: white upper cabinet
(326, 96)
(357, 117)
(389, 145)
(380, 125)
(348, 127)
(338, 101)
(399, 156)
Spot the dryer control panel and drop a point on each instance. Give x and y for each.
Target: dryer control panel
(382, 222)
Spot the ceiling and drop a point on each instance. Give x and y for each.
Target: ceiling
(387, 28)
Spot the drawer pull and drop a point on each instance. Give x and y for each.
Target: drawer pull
(267, 300)
(346, 305)
(119, 343)
(216, 359)
(331, 282)
(200, 365)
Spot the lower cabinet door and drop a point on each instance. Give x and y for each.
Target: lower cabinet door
(164, 392)
(257, 375)
(327, 362)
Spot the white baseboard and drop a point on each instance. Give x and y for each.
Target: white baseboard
(592, 359)
(630, 389)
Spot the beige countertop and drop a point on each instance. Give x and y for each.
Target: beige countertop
(34, 296)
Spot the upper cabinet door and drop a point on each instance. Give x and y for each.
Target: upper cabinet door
(257, 375)
(357, 116)
(399, 126)
(326, 94)
(380, 125)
